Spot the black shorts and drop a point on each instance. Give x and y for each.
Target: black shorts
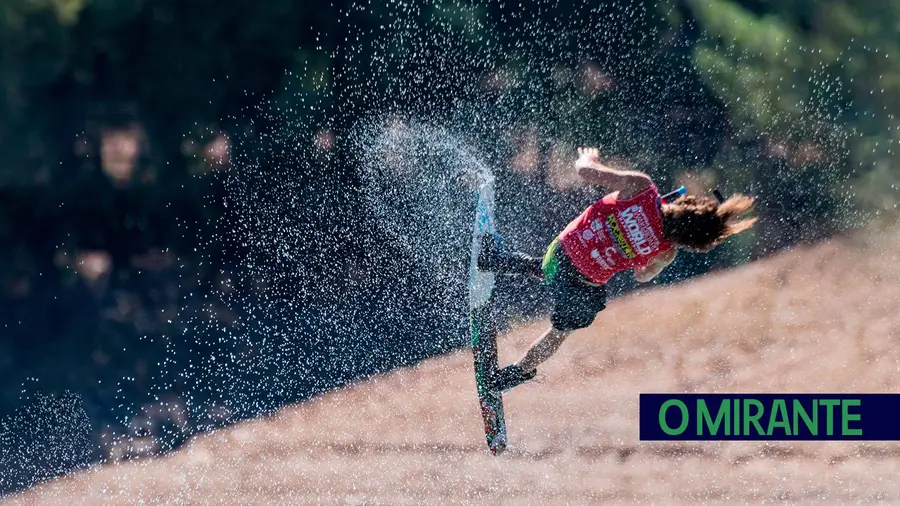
(576, 301)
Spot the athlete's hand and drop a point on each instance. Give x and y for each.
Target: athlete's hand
(587, 157)
(627, 182)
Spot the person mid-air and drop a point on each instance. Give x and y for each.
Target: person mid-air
(629, 228)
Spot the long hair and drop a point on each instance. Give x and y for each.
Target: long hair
(702, 223)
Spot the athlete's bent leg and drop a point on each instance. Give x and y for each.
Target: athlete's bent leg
(542, 349)
(494, 257)
(514, 375)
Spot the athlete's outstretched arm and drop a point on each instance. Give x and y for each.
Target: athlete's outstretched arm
(542, 349)
(628, 182)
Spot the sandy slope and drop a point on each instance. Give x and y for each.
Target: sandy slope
(820, 319)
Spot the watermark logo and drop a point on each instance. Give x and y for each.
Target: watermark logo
(774, 417)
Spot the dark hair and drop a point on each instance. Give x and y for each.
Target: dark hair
(702, 223)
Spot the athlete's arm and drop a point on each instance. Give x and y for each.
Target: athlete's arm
(657, 264)
(628, 182)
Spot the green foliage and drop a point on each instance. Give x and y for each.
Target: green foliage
(818, 83)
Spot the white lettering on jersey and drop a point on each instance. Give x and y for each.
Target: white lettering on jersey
(599, 259)
(637, 227)
(610, 253)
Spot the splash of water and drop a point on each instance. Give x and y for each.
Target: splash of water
(419, 184)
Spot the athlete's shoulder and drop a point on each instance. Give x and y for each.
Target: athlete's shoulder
(638, 183)
(611, 198)
(621, 196)
(641, 191)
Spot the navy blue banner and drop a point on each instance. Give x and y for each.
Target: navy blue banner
(771, 417)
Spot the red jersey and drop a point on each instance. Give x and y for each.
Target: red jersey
(614, 235)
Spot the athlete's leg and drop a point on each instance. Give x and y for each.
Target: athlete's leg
(526, 368)
(542, 349)
(575, 305)
(494, 257)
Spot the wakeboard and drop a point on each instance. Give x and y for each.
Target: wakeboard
(482, 323)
